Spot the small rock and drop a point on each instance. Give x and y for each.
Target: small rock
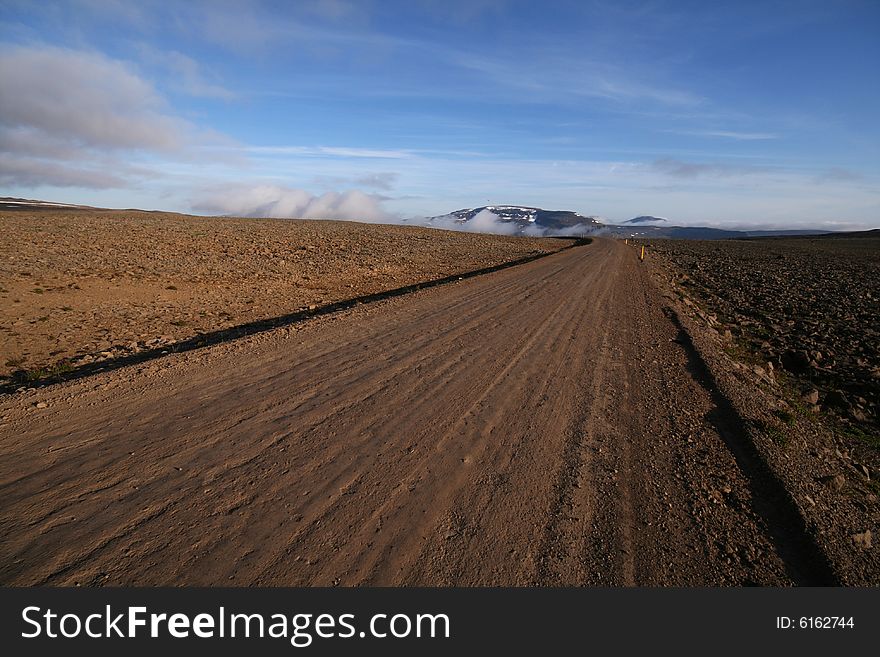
(836, 399)
(41, 405)
(863, 540)
(797, 362)
(811, 397)
(834, 482)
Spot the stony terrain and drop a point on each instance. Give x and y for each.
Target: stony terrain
(807, 307)
(788, 329)
(80, 286)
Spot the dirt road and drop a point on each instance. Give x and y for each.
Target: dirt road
(541, 425)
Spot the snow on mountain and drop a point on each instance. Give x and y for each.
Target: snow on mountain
(528, 220)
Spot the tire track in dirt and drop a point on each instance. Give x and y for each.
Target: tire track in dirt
(531, 426)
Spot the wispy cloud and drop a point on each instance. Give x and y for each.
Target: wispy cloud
(547, 76)
(382, 180)
(839, 174)
(186, 74)
(728, 134)
(29, 172)
(680, 169)
(330, 151)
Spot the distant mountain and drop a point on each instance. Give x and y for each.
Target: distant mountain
(644, 219)
(13, 203)
(536, 221)
(525, 216)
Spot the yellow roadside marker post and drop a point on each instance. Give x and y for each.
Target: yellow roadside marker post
(642, 254)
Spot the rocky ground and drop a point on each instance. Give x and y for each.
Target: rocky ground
(79, 287)
(806, 307)
(788, 328)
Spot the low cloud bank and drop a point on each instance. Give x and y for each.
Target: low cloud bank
(354, 205)
(484, 221)
(289, 203)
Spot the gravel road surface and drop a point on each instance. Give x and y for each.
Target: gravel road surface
(541, 425)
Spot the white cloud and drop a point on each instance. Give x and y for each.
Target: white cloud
(486, 221)
(286, 202)
(85, 99)
(73, 118)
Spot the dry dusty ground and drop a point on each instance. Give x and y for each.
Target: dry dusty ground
(554, 423)
(79, 287)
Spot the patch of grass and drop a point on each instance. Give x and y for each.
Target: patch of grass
(777, 436)
(170, 287)
(796, 402)
(66, 309)
(37, 290)
(785, 416)
(48, 372)
(772, 431)
(15, 362)
(178, 322)
(871, 439)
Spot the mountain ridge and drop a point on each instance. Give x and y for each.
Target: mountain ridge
(532, 220)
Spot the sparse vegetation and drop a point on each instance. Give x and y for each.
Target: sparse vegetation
(51, 371)
(787, 418)
(869, 438)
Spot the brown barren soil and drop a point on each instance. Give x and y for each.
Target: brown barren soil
(81, 287)
(552, 423)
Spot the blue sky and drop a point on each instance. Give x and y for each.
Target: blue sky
(728, 113)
